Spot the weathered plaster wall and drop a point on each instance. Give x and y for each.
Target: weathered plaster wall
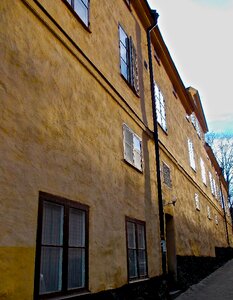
(61, 132)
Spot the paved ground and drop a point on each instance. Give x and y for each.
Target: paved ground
(217, 286)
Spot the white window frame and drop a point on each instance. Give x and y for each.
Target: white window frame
(134, 150)
(211, 183)
(203, 171)
(191, 155)
(216, 219)
(197, 201)
(160, 107)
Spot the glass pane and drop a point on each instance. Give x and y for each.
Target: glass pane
(133, 272)
(81, 10)
(136, 143)
(142, 262)
(123, 52)
(50, 270)
(85, 2)
(124, 70)
(123, 37)
(128, 153)
(137, 160)
(52, 226)
(141, 236)
(76, 228)
(131, 235)
(76, 268)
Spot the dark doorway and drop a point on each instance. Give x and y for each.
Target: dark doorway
(171, 247)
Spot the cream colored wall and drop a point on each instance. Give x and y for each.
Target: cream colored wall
(195, 233)
(61, 133)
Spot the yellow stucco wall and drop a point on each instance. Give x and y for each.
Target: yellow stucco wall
(61, 133)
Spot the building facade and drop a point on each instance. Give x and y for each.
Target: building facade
(79, 181)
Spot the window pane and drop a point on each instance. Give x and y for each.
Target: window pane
(123, 37)
(141, 236)
(142, 262)
(128, 153)
(123, 52)
(76, 228)
(132, 263)
(50, 269)
(76, 268)
(137, 143)
(137, 160)
(52, 226)
(131, 235)
(81, 10)
(124, 69)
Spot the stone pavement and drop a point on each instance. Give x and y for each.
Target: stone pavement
(217, 286)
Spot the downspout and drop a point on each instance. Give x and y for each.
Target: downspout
(224, 211)
(156, 141)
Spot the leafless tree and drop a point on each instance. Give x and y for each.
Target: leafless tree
(222, 146)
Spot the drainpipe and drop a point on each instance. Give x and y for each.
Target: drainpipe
(156, 141)
(224, 211)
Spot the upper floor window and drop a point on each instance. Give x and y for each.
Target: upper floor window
(136, 249)
(61, 246)
(128, 60)
(203, 172)
(167, 175)
(196, 124)
(132, 147)
(212, 184)
(160, 107)
(81, 7)
(191, 154)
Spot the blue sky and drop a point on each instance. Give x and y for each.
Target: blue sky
(198, 34)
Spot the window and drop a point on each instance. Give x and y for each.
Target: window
(211, 183)
(160, 107)
(81, 7)
(191, 154)
(132, 148)
(196, 124)
(203, 172)
(136, 249)
(208, 212)
(216, 219)
(197, 202)
(61, 258)
(167, 175)
(128, 60)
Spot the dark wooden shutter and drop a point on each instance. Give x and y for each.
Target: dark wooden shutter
(134, 77)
